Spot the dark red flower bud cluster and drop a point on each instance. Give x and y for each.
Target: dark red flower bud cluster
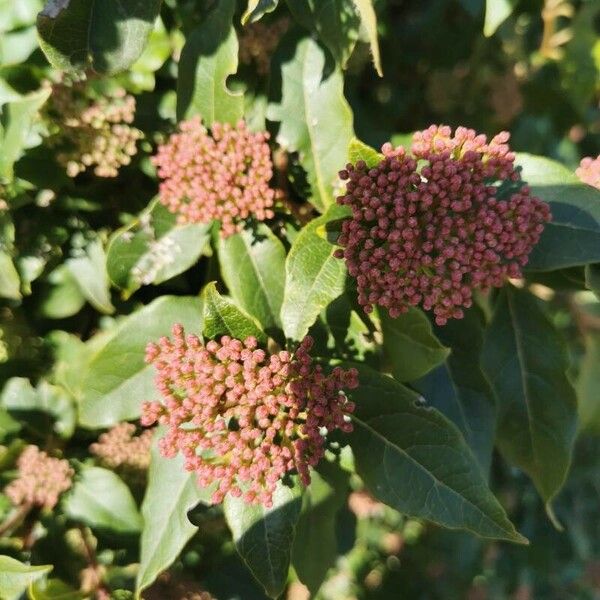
(241, 417)
(430, 226)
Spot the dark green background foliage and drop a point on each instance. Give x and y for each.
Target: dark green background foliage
(473, 470)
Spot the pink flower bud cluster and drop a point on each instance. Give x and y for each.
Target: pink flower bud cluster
(589, 171)
(429, 227)
(41, 479)
(241, 417)
(120, 449)
(93, 132)
(222, 175)
(258, 41)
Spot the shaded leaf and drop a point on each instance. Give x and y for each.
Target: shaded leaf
(410, 345)
(459, 389)
(117, 380)
(314, 277)
(16, 577)
(315, 545)
(64, 298)
(153, 249)
(316, 120)
(588, 384)
(102, 500)
(209, 57)
(573, 236)
(416, 461)
(166, 527)
(592, 278)
(107, 37)
(253, 267)
(525, 361)
(223, 317)
(264, 536)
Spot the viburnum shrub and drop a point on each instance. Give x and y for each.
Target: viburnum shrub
(299, 299)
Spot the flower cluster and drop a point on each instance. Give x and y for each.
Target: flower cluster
(41, 479)
(93, 132)
(243, 418)
(222, 175)
(120, 449)
(589, 171)
(432, 234)
(258, 41)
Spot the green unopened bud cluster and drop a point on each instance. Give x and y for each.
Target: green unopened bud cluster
(92, 133)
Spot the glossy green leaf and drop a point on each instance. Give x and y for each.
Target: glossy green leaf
(573, 236)
(89, 272)
(257, 8)
(264, 536)
(253, 267)
(459, 389)
(315, 119)
(224, 317)
(335, 22)
(314, 277)
(166, 527)
(369, 21)
(153, 249)
(410, 345)
(358, 150)
(82, 35)
(496, 12)
(16, 577)
(315, 545)
(117, 380)
(17, 120)
(588, 384)
(415, 460)
(102, 500)
(525, 361)
(209, 57)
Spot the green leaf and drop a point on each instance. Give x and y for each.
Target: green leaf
(314, 277)
(89, 272)
(525, 361)
(153, 249)
(588, 384)
(496, 12)
(573, 236)
(10, 282)
(64, 298)
(410, 346)
(166, 526)
(335, 22)
(19, 396)
(416, 461)
(107, 37)
(360, 151)
(102, 500)
(54, 589)
(209, 57)
(117, 380)
(459, 389)
(257, 8)
(315, 546)
(316, 120)
(264, 536)
(224, 317)
(8, 425)
(369, 21)
(253, 267)
(17, 119)
(16, 577)
(592, 278)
